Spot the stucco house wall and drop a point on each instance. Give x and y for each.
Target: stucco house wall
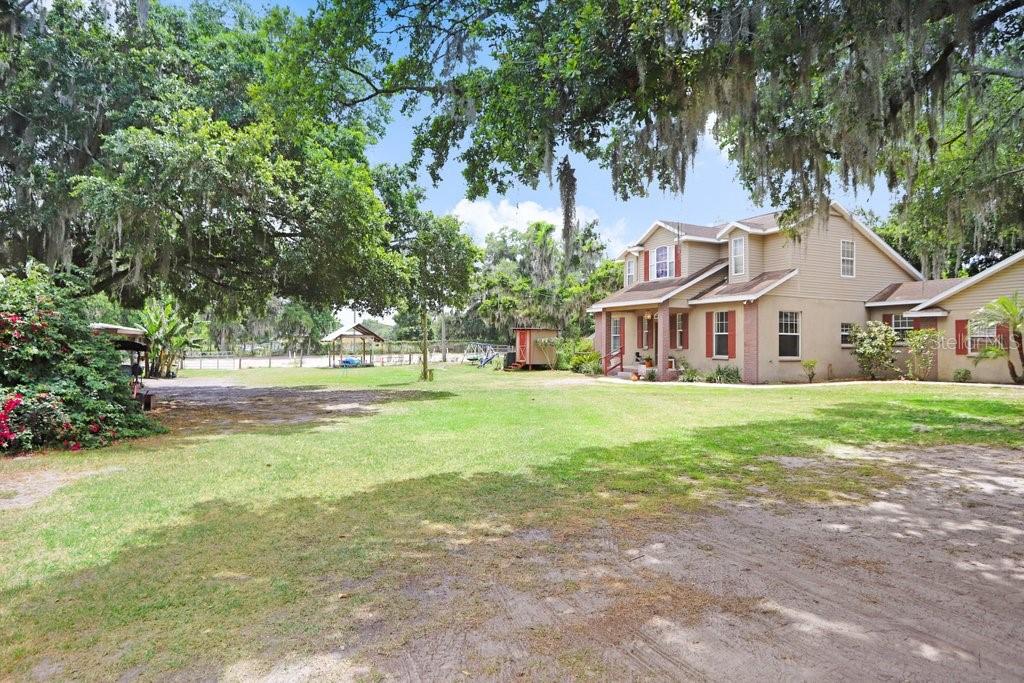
(961, 306)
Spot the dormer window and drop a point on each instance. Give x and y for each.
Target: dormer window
(738, 255)
(630, 271)
(663, 262)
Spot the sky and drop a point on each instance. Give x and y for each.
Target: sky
(713, 194)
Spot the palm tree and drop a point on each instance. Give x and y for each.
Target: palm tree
(1006, 312)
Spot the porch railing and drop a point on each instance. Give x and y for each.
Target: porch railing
(613, 361)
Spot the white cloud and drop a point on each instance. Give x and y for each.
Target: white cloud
(482, 216)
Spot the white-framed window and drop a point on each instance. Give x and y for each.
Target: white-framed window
(901, 324)
(789, 334)
(979, 336)
(664, 265)
(646, 336)
(630, 271)
(738, 255)
(846, 334)
(847, 259)
(680, 329)
(616, 334)
(721, 333)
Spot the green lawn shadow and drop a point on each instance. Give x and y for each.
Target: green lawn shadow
(237, 581)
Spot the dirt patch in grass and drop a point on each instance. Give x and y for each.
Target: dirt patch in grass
(24, 489)
(915, 581)
(219, 405)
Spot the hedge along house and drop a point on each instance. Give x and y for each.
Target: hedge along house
(744, 294)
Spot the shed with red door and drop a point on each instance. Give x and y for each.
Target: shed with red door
(535, 347)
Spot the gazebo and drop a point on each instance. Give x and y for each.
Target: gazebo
(354, 332)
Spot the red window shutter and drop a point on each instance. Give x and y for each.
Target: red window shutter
(639, 332)
(960, 328)
(887, 319)
(1003, 336)
(917, 323)
(672, 330)
(647, 265)
(709, 336)
(731, 316)
(686, 330)
(622, 336)
(679, 261)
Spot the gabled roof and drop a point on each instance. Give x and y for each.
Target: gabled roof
(745, 291)
(970, 282)
(765, 224)
(684, 232)
(657, 291)
(762, 224)
(906, 293)
(356, 331)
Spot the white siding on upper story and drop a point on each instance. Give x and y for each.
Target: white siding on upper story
(754, 254)
(1006, 282)
(817, 255)
(697, 255)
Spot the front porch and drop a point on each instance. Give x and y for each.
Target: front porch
(639, 339)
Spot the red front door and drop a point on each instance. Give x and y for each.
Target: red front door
(522, 345)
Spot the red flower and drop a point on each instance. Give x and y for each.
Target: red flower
(75, 446)
(94, 428)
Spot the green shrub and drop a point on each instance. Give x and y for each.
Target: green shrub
(59, 384)
(577, 355)
(875, 348)
(961, 375)
(809, 367)
(725, 374)
(651, 375)
(921, 345)
(687, 373)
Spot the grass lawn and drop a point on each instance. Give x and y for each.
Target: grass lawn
(190, 551)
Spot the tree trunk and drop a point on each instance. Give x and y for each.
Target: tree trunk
(424, 331)
(444, 341)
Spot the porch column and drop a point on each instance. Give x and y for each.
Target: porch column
(750, 350)
(664, 338)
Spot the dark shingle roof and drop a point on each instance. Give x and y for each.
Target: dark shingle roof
(656, 289)
(708, 231)
(914, 292)
(752, 288)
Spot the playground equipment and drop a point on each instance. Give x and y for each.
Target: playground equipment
(482, 354)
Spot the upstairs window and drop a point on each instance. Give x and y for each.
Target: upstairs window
(738, 255)
(721, 334)
(663, 257)
(630, 271)
(616, 334)
(901, 324)
(847, 260)
(789, 334)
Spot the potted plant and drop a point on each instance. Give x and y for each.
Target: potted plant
(648, 362)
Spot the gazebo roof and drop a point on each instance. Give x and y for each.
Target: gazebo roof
(356, 331)
(121, 330)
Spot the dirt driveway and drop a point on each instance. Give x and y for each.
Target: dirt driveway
(926, 582)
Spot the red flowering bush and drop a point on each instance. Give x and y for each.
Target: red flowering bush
(59, 384)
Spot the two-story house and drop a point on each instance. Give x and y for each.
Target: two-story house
(745, 294)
